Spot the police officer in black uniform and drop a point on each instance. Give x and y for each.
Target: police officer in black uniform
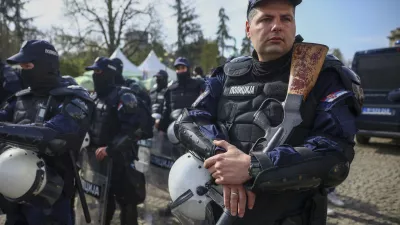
(157, 95)
(120, 119)
(53, 118)
(181, 93)
(287, 184)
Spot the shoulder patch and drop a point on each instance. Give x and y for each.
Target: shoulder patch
(333, 99)
(128, 102)
(335, 95)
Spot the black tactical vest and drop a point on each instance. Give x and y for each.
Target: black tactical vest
(27, 107)
(183, 95)
(157, 100)
(105, 123)
(244, 93)
(26, 111)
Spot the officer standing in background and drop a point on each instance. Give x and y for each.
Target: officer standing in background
(121, 119)
(181, 93)
(58, 118)
(157, 95)
(287, 184)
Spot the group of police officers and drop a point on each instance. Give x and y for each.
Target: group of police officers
(45, 118)
(36, 99)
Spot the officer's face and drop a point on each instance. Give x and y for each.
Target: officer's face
(180, 69)
(272, 29)
(27, 66)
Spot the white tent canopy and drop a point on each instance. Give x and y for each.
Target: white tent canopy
(129, 68)
(151, 65)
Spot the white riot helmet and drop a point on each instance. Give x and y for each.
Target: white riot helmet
(25, 178)
(190, 188)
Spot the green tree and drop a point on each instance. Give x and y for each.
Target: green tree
(209, 55)
(222, 33)
(188, 28)
(14, 26)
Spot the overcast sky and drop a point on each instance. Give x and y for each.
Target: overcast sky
(350, 25)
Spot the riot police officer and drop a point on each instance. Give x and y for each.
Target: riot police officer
(286, 184)
(48, 121)
(157, 95)
(181, 93)
(120, 119)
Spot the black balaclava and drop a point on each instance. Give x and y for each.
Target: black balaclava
(42, 78)
(162, 82)
(104, 82)
(183, 76)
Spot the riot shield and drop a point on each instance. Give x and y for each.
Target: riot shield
(155, 157)
(95, 177)
(161, 160)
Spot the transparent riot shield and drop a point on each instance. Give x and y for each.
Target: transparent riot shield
(156, 155)
(161, 161)
(95, 177)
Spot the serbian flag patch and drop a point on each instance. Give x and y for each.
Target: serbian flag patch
(120, 105)
(331, 97)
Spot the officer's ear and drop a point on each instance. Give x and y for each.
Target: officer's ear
(248, 29)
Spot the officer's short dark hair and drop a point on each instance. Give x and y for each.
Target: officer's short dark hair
(199, 70)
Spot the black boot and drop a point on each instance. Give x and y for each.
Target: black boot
(129, 214)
